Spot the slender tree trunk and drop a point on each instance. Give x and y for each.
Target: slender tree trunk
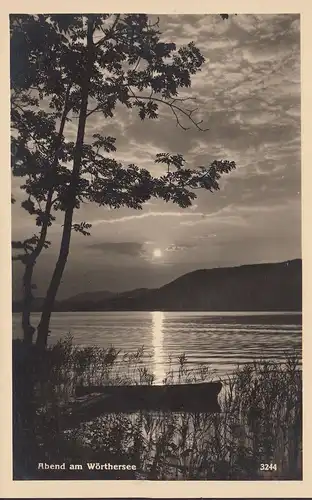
(28, 329)
(43, 327)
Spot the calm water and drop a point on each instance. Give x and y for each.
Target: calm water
(220, 340)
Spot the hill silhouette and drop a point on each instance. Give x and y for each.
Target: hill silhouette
(256, 287)
(259, 287)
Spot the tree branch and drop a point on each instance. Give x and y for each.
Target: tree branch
(175, 109)
(110, 32)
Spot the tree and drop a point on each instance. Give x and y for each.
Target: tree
(85, 64)
(34, 46)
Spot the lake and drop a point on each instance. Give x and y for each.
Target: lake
(219, 340)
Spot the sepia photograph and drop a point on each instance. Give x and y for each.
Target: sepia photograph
(156, 246)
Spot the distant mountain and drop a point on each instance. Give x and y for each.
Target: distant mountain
(130, 294)
(261, 287)
(83, 301)
(94, 301)
(36, 305)
(258, 287)
(96, 296)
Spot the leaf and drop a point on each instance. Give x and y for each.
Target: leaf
(142, 112)
(82, 228)
(29, 206)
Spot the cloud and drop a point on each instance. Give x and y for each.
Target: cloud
(145, 215)
(178, 247)
(130, 248)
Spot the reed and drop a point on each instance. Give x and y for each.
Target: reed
(260, 421)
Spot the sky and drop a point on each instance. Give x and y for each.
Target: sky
(248, 96)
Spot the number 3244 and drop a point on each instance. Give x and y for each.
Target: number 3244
(268, 467)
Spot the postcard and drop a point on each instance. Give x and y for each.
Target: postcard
(156, 251)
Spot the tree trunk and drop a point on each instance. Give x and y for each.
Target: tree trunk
(43, 327)
(28, 329)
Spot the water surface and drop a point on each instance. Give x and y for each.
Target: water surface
(220, 340)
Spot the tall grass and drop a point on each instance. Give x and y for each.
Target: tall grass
(259, 423)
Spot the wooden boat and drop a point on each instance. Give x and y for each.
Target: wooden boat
(93, 401)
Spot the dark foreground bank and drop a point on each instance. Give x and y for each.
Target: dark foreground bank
(256, 435)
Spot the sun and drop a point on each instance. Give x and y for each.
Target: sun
(157, 253)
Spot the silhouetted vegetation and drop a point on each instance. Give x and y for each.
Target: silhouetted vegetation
(65, 68)
(259, 423)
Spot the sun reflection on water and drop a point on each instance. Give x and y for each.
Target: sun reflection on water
(158, 346)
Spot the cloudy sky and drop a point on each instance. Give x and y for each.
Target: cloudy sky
(249, 97)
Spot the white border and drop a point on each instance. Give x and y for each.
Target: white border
(154, 489)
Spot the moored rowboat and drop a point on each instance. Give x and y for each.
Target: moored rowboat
(96, 400)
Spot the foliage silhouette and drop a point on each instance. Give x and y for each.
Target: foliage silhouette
(66, 68)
